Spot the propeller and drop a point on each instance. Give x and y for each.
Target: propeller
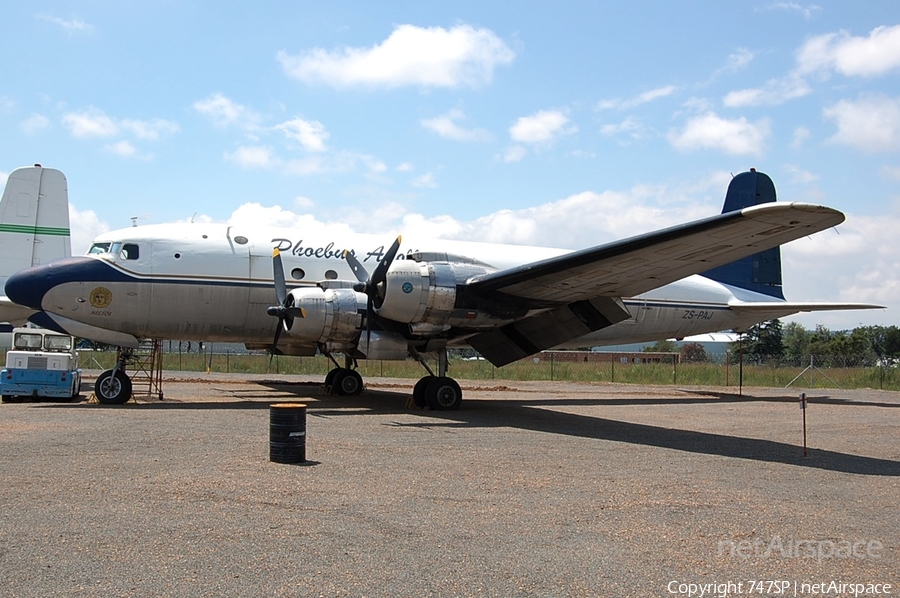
(285, 311)
(372, 286)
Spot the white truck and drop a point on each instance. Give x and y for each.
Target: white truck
(41, 363)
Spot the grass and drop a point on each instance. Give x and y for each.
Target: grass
(700, 374)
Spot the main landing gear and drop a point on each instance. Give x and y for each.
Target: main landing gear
(440, 392)
(344, 381)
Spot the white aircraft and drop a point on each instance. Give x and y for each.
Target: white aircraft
(352, 295)
(34, 227)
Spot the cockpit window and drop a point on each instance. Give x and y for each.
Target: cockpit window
(125, 251)
(130, 251)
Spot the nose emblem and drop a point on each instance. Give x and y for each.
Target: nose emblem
(101, 297)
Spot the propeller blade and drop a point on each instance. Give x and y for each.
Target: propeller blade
(358, 269)
(278, 271)
(380, 274)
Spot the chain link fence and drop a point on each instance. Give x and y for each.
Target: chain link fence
(807, 371)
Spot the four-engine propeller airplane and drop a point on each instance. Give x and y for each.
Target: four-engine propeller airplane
(351, 296)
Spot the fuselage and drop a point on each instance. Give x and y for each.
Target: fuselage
(214, 282)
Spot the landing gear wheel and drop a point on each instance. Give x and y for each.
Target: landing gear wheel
(347, 382)
(329, 377)
(443, 394)
(419, 391)
(113, 390)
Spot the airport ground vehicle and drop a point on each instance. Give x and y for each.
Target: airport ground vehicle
(41, 363)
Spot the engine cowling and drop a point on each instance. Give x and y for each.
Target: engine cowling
(422, 292)
(332, 315)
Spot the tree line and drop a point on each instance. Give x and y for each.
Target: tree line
(866, 345)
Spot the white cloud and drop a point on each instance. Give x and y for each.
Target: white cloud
(417, 56)
(871, 124)
(34, 123)
(149, 129)
(643, 98)
(852, 56)
(855, 263)
(122, 148)
(544, 126)
(806, 11)
(773, 93)
(90, 123)
(891, 172)
(798, 175)
(310, 134)
(425, 181)
(405, 167)
(94, 123)
(801, 135)
(70, 26)
(447, 127)
(85, 226)
(631, 127)
(514, 153)
(224, 112)
(252, 157)
(710, 131)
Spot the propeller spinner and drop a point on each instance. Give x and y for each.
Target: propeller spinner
(372, 286)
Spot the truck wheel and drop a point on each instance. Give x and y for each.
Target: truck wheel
(11, 399)
(113, 390)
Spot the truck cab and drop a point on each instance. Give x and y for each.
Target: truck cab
(41, 363)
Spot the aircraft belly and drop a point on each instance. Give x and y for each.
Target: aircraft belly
(213, 312)
(654, 322)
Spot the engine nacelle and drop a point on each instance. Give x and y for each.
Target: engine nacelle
(332, 315)
(423, 292)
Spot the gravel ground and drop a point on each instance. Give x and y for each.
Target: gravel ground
(532, 489)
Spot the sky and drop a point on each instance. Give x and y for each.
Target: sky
(567, 124)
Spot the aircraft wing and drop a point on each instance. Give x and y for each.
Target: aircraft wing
(639, 264)
(581, 292)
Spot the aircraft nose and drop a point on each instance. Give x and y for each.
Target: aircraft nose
(28, 287)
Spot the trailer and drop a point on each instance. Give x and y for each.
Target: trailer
(41, 363)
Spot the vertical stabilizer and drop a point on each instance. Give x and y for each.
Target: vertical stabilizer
(760, 272)
(34, 219)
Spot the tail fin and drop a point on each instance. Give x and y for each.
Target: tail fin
(760, 272)
(34, 219)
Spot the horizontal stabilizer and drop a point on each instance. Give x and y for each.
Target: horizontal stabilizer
(770, 310)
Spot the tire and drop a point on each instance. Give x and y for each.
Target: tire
(329, 377)
(347, 382)
(419, 391)
(113, 390)
(443, 394)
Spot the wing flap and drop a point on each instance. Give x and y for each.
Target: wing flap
(547, 329)
(633, 266)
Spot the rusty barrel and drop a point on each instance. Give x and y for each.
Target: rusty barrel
(287, 433)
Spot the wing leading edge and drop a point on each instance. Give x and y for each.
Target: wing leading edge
(639, 264)
(581, 291)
